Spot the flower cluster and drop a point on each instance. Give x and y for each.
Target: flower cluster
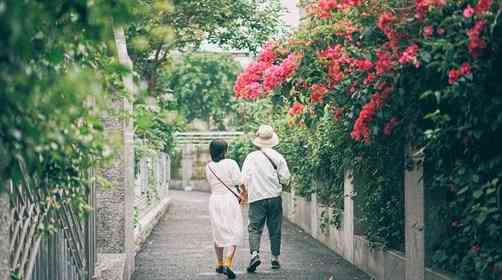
(384, 62)
(296, 109)
(263, 76)
(455, 74)
(268, 55)
(409, 56)
(483, 6)
(318, 92)
(324, 8)
(361, 127)
(248, 83)
(476, 44)
(277, 74)
(423, 6)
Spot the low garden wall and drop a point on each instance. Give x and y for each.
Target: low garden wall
(381, 263)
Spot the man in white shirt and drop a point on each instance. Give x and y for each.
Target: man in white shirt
(264, 172)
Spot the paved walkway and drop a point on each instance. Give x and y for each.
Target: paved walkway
(181, 247)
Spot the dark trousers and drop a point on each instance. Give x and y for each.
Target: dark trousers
(265, 211)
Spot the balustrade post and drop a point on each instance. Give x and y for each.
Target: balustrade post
(414, 215)
(4, 235)
(187, 165)
(348, 216)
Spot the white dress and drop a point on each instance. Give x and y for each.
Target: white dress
(224, 209)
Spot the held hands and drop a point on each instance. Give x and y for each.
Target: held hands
(243, 196)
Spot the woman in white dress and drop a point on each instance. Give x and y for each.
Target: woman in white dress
(225, 213)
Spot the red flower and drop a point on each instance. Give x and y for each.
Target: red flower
(441, 31)
(390, 125)
(277, 74)
(335, 73)
(296, 109)
(385, 20)
(423, 6)
(483, 6)
(369, 79)
(318, 92)
(251, 75)
(476, 44)
(410, 56)
(361, 126)
(428, 31)
(363, 64)
(336, 52)
(468, 12)
(252, 91)
(384, 62)
(267, 54)
(453, 76)
(465, 69)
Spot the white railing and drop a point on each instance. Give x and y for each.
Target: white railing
(204, 138)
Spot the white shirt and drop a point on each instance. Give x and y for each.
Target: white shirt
(260, 177)
(228, 171)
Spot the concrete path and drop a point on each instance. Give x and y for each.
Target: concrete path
(181, 247)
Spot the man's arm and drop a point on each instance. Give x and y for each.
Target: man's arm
(283, 171)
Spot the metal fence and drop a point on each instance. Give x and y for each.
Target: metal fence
(67, 254)
(203, 138)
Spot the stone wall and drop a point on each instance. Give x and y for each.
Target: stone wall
(114, 204)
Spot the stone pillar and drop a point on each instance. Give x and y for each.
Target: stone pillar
(187, 166)
(114, 205)
(168, 173)
(348, 216)
(414, 216)
(4, 235)
(314, 216)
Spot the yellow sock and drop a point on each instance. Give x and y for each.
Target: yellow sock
(221, 263)
(229, 261)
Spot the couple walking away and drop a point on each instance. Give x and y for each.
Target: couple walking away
(259, 184)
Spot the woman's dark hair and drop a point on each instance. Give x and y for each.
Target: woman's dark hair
(218, 149)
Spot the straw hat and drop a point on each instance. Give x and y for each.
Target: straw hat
(266, 137)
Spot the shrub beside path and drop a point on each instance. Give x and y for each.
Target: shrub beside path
(180, 247)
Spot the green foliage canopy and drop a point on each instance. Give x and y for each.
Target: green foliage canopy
(202, 84)
(183, 25)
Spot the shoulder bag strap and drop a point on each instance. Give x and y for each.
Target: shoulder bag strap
(221, 181)
(273, 165)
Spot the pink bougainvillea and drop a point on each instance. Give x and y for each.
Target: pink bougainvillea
(267, 54)
(428, 31)
(277, 74)
(409, 56)
(252, 74)
(476, 43)
(361, 131)
(296, 109)
(468, 11)
(318, 92)
(454, 74)
(384, 62)
(483, 6)
(423, 6)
